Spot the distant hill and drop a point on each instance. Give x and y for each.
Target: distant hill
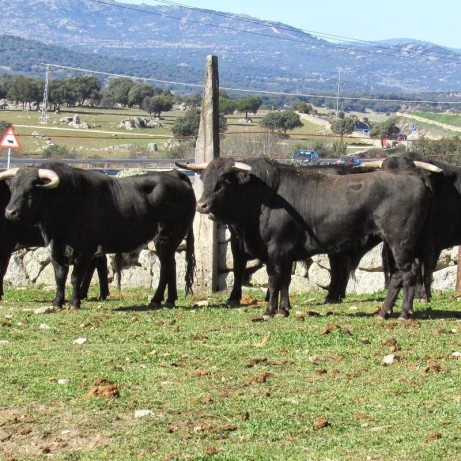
(171, 43)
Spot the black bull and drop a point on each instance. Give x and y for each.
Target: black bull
(446, 215)
(342, 264)
(81, 213)
(285, 214)
(16, 235)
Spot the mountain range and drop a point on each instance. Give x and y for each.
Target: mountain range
(169, 43)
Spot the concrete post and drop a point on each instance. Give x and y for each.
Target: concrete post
(206, 149)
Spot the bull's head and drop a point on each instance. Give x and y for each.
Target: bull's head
(51, 178)
(221, 179)
(27, 186)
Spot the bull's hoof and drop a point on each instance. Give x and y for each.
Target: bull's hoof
(405, 315)
(155, 306)
(384, 314)
(281, 314)
(267, 315)
(74, 305)
(328, 300)
(232, 303)
(169, 305)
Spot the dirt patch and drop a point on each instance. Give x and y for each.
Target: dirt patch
(45, 430)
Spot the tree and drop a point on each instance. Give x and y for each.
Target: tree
(157, 104)
(281, 121)
(249, 104)
(227, 105)
(386, 129)
(56, 93)
(118, 90)
(138, 93)
(303, 108)
(83, 89)
(343, 126)
(189, 124)
(26, 90)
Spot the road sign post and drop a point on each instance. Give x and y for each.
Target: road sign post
(9, 141)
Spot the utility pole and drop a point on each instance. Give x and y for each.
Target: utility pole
(44, 116)
(337, 92)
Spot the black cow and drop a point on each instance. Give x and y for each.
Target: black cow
(285, 213)
(342, 264)
(445, 220)
(16, 235)
(81, 213)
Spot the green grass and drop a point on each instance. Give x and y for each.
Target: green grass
(221, 385)
(449, 119)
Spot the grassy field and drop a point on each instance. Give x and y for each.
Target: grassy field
(449, 119)
(105, 139)
(113, 381)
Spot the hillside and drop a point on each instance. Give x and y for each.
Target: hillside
(172, 42)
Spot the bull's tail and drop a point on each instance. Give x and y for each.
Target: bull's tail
(190, 261)
(118, 264)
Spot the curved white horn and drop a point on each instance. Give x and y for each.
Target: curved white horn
(428, 166)
(374, 164)
(239, 166)
(51, 175)
(7, 174)
(197, 167)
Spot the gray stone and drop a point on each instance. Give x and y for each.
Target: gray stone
(16, 274)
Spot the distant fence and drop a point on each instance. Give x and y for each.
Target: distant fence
(100, 163)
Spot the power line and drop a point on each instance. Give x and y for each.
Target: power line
(273, 93)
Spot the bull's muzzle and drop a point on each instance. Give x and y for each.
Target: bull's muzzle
(203, 207)
(12, 215)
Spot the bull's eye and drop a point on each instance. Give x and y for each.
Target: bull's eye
(225, 181)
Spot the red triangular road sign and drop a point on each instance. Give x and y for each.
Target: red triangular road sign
(10, 140)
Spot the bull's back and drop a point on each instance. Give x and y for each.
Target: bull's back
(121, 214)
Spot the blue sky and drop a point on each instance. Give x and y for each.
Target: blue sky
(435, 22)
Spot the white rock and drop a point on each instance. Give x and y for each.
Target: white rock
(80, 341)
(142, 413)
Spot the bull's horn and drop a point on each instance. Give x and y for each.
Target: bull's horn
(239, 166)
(374, 164)
(197, 167)
(7, 174)
(428, 166)
(51, 175)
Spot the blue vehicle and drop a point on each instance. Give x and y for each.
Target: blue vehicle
(306, 156)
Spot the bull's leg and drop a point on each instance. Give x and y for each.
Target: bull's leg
(84, 288)
(272, 292)
(81, 267)
(61, 270)
(409, 285)
(101, 267)
(279, 276)
(393, 289)
(285, 306)
(240, 261)
(166, 255)
(336, 279)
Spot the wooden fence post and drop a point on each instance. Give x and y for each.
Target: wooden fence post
(206, 149)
